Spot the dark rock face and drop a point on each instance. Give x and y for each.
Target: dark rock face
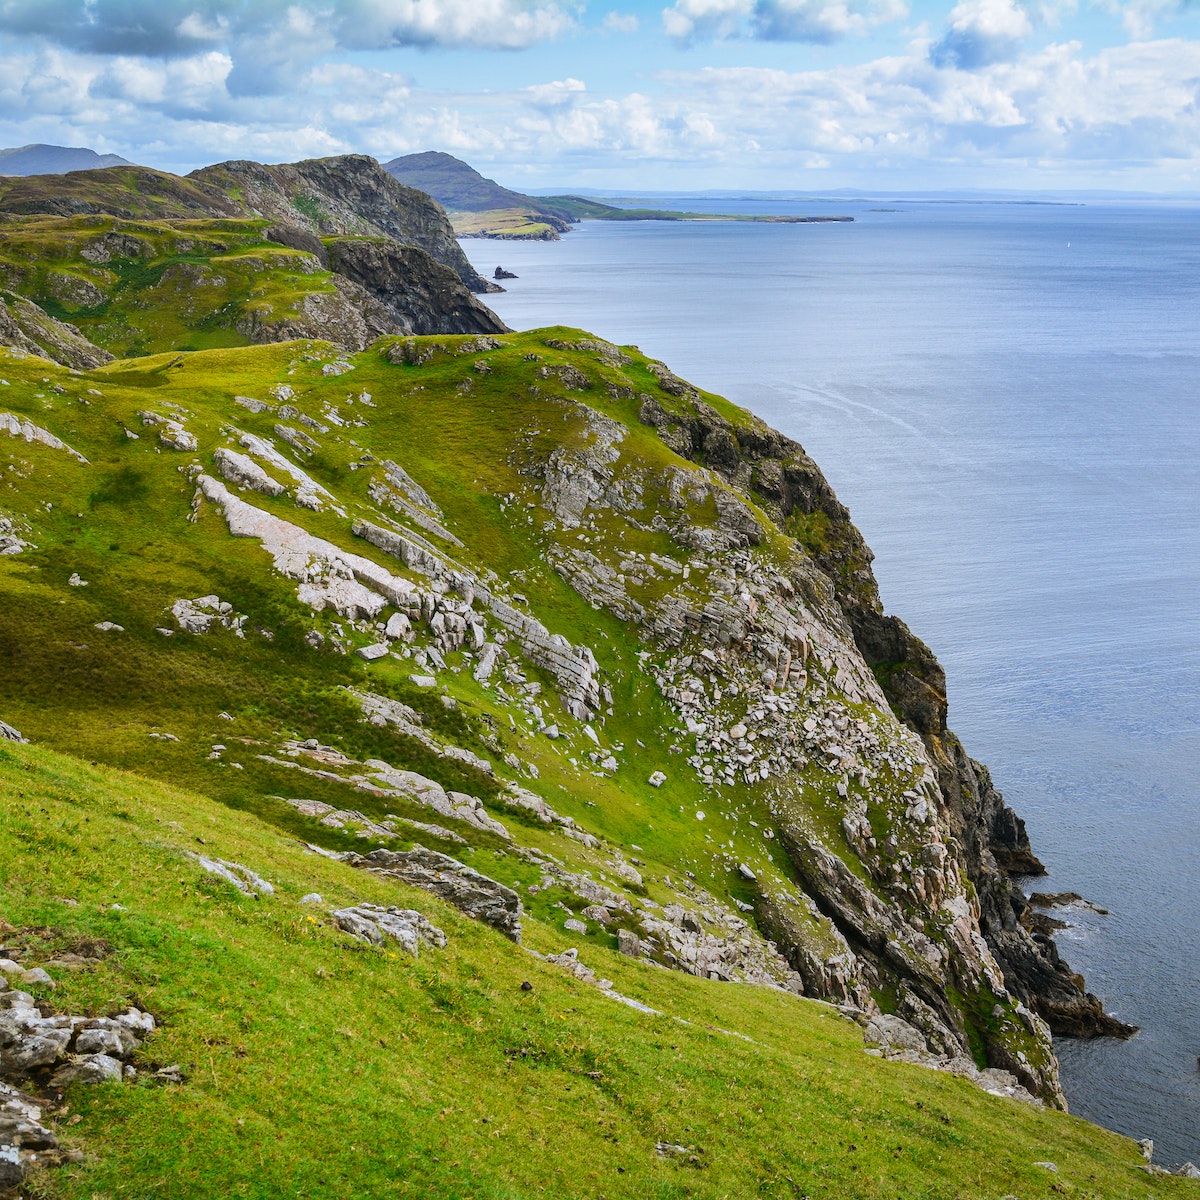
(993, 842)
(501, 273)
(27, 327)
(399, 267)
(422, 296)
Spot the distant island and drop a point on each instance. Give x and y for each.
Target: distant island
(480, 207)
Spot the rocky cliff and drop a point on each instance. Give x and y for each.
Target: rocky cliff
(351, 195)
(990, 842)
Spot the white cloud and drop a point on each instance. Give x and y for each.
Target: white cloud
(557, 94)
(1141, 17)
(618, 22)
(779, 20)
(982, 32)
(1129, 114)
(168, 28)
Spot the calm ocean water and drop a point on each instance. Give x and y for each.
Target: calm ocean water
(1008, 399)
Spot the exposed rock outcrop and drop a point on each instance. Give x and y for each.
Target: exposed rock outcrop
(990, 840)
(420, 294)
(378, 925)
(45, 1049)
(453, 881)
(347, 195)
(26, 327)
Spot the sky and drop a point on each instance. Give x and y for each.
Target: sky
(798, 95)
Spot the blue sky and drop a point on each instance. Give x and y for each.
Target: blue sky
(628, 94)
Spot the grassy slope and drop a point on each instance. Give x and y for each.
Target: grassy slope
(122, 524)
(518, 223)
(188, 288)
(132, 542)
(319, 1068)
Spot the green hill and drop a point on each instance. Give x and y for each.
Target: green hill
(479, 207)
(139, 261)
(316, 1066)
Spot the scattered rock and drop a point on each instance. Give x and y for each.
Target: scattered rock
(475, 894)
(657, 779)
(312, 898)
(94, 1068)
(375, 924)
(171, 433)
(23, 428)
(199, 615)
(8, 733)
(1063, 900)
(244, 472)
(110, 627)
(371, 653)
(574, 925)
(628, 943)
(70, 1049)
(242, 878)
(76, 581)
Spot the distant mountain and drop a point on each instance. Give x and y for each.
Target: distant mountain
(478, 206)
(456, 185)
(55, 160)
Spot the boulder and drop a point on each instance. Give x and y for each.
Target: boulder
(376, 925)
(242, 878)
(95, 1068)
(474, 894)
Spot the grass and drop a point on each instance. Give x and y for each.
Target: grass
(506, 223)
(440, 1076)
(175, 284)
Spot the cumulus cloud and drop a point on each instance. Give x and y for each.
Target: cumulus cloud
(557, 94)
(779, 20)
(1127, 109)
(170, 28)
(982, 32)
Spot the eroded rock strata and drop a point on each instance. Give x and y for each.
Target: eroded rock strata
(990, 840)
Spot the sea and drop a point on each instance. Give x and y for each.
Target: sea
(1007, 397)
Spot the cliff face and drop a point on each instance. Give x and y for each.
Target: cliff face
(142, 261)
(989, 840)
(28, 328)
(350, 195)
